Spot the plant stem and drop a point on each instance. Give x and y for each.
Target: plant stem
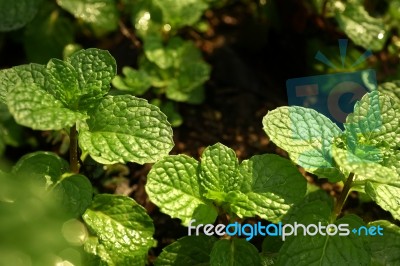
(343, 196)
(73, 150)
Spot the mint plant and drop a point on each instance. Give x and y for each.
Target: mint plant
(175, 70)
(264, 185)
(72, 95)
(115, 229)
(365, 157)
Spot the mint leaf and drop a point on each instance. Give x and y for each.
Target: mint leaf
(74, 193)
(375, 120)
(44, 98)
(173, 185)
(234, 252)
(45, 167)
(156, 52)
(188, 250)
(135, 81)
(391, 89)
(102, 14)
(385, 249)
(95, 68)
(271, 184)
(176, 93)
(16, 14)
(24, 74)
(360, 27)
(386, 196)
(180, 13)
(365, 169)
(62, 82)
(307, 136)
(126, 129)
(121, 225)
(320, 249)
(33, 107)
(219, 169)
(98, 254)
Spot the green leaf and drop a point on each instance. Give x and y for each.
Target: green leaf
(98, 255)
(173, 185)
(307, 136)
(24, 74)
(156, 52)
(219, 169)
(272, 186)
(50, 25)
(188, 250)
(386, 196)
(360, 27)
(42, 98)
(135, 81)
(121, 225)
(33, 107)
(391, 89)
(365, 169)
(96, 68)
(102, 14)
(45, 167)
(320, 249)
(126, 129)
(175, 93)
(375, 120)
(234, 252)
(180, 13)
(16, 14)
(74, 193)
(385, 249)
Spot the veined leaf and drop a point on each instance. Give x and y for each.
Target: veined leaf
(307, 136)
(74, 193)
(33, 107)
(173, 185)
(121, 225)
(324, 249)
(391, 89)
(386, 196)
(219, 169)
(271, 185)
(384, 249)
(126, 129)
(365, 169)
(375, 120)
(24, 74)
